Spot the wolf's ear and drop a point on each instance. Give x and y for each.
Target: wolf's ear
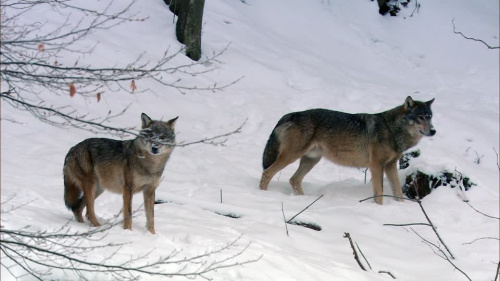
(409, 103)
(171, 122)
(430, 102)
(146, 121)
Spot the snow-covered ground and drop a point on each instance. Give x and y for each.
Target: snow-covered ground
(293, 55)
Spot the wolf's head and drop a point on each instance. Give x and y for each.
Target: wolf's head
(157, 137)
(418, 116)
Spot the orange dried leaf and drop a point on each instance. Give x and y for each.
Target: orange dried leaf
(98, 97)
(132, 86)
(72, 90)
(41, 48)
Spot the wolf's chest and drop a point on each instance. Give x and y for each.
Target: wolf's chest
(139, 180)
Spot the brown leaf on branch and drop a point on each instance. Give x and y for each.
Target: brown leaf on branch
(41, 48)
(72, 90)
(132, 86)
(98, 97)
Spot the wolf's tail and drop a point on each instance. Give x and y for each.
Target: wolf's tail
(73, 196)
(271, 151)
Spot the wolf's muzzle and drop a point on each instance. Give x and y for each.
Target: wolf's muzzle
(155, 149)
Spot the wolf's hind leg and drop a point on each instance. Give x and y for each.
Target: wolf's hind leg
(281, 162)
(73, 198)
(89, 194)
(306, 164)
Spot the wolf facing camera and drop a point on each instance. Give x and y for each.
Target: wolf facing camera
(124, 167)
(376, 141)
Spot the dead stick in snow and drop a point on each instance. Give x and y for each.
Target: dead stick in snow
(482, 238)
(406, 224)
(498, 269)
(434, 228)
(356, 257)
(498, 164)
(387, 272)
(423, 210)
(471, 38)
(288, 221)
(445, 257)
(284, 219)
(491, 217)
(363, 255)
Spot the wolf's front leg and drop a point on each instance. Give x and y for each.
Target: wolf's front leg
(127, 207)
(391, 171)
(149, 203)
(377, 171)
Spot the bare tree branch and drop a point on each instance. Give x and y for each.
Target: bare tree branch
(284, 219)
(482, 238)
(288, 221)
(363, 255)
(442, 252)
(40, 254)
(471, 38)
(419, 202)
(30, 71)
(406, 224)
(354, 252)
(486, 215)
(498, 164)
(387, 272)
(498, 271)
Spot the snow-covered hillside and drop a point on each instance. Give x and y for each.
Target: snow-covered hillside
(293, 55)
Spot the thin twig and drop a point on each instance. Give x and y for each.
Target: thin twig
(498, 270)
(406, 224)
(492, 217)
(356, 257)
(498, 165)
(284, 219)
(434, 228)
(387, 272)
(482, 238)
(211, 139)
(363, 255)
(470, 38)
(304, 209)
(442, 252)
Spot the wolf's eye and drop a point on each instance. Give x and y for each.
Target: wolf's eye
(163, 137)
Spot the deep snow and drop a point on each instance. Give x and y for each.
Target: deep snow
(293, 55)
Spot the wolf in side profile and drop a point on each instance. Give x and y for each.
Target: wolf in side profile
(376, 141)
(124, 167)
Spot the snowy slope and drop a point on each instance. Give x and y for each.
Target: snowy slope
(293, 55)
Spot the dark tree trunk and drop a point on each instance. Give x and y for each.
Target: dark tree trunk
(189, 21)
(193, 29)
(180, 8)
